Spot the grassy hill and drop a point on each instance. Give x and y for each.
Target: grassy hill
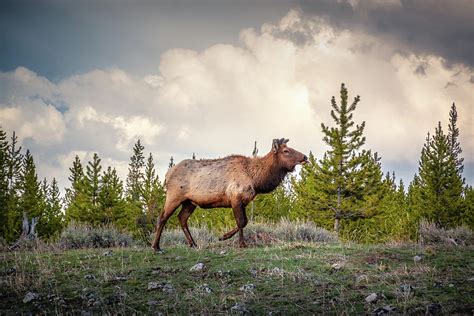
(282, 278)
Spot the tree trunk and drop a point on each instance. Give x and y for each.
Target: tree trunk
(336, 225)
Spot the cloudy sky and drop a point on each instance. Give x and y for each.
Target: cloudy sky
(212, 77)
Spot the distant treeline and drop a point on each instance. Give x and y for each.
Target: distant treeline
(345, 190)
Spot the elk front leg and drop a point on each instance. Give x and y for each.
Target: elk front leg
(170, 206)
(241, 219)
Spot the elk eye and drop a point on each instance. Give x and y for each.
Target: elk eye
(286, 151)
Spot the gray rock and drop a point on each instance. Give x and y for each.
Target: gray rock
(164, 286)
(222, 252)
(239, 308)
(89, 277)
(471, 279)
(120, 278)
(384, 310)
(153, 302)
(198, 267)
(276, 271)
(168, 288)
(372, 298)
(406, 290)
(417, 258)
(248, 287)
(361, 278)
(154, 285)
(253, 272)
(337, 266)
(107, 253)
(204, 288)
(11, 270)
(30, 296)
(222, 274)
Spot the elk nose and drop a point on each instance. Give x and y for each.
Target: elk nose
(305, 158)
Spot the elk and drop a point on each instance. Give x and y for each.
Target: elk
(232, 181)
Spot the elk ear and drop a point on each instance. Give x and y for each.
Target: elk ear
(275, 145)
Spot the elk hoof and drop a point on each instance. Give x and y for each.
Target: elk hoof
(243, 245)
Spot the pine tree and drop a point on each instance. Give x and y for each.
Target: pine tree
(84, 195)
(76, 177)
(135, 183)
(441, 183)
(346, 183)
(53, 214)
(153, 196)
(135, 174)
(31, 199)
(111, 200)
(171, 164)
(468, 209)
(307, 196)
(14, 169)
(4, 192)
(453, 143)
(92, 185)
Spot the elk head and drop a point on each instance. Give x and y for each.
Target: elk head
(287, 157)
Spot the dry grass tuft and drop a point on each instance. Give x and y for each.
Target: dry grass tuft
(431, 234)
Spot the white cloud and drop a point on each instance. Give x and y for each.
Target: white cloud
(218, 101)
(34, 119)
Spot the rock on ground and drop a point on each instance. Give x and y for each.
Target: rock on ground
(371, 298)
(248, 287)
(30, 296)
(417, 258)
(198, 267)
(239, 308)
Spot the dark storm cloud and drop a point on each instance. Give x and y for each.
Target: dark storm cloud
(444, 28)
(60, 38)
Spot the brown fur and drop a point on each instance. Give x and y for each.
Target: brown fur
(232, 181)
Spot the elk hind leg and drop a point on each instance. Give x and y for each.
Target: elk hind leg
(186, 210)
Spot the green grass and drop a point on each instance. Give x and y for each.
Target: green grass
(290, 278)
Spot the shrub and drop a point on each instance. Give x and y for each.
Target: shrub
(431, 234)
(259, 234)
(3, 245)
(255, 234)
(85, 236)
(287, 230)
(172, 237)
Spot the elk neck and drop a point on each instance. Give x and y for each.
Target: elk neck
(266, 173)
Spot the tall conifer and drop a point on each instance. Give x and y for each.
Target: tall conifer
(153, 196)
(54, 216)
(3, 183)
(453, 143)
(14, 170)
(76, 177)
(135, 173)
(111, 200)
(348, 177)
(441, 183)
(31, 200)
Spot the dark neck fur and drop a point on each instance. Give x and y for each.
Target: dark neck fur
(266, 173)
